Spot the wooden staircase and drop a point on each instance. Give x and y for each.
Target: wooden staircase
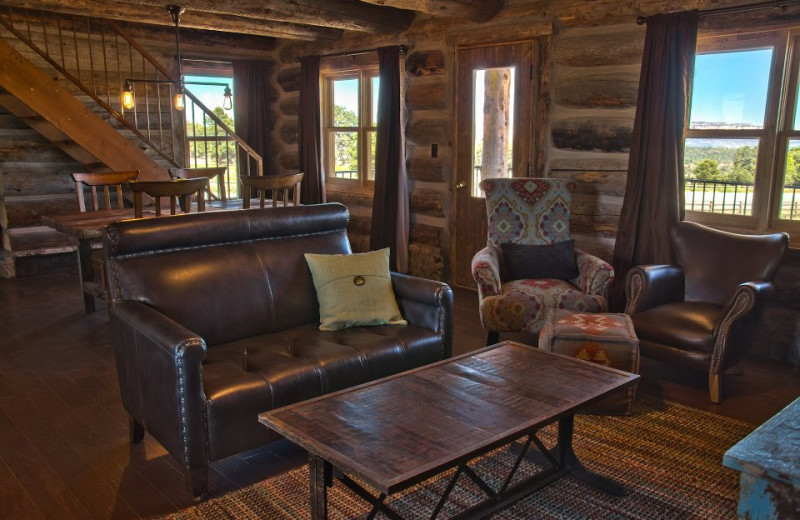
(63, 78)
(56, 114)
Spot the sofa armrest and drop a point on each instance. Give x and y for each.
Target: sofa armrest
(738, 324)
(486, 270)
(426, 303)
(160, 377)
(648, 286)
(594, 275)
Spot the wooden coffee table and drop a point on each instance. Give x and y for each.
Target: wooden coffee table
(400, 430)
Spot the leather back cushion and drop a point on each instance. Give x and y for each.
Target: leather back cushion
(226, 275)
(716, 262)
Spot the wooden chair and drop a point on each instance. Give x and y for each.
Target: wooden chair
(279, 186)
(181, 189)
(101, 185)
(106, 182)
(216, 172)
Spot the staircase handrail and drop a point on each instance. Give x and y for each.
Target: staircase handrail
(143, 54)
(86, 90)
(249, 149)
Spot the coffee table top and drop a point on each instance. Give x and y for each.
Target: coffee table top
(405, 428)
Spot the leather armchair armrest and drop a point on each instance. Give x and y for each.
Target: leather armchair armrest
(486, 270)
(159, 366)
(648, 286)
(738, 323)
(595, 275)
(426, 303)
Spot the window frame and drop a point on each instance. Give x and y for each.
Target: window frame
(364, 75)
(773, 137)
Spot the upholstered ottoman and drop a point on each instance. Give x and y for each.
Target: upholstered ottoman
(606, 339)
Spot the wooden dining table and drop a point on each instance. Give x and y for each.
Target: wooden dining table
(87, 228)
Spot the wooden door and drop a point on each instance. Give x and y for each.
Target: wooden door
(494, 99)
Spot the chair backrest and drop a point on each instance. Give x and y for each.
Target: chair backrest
(526, 210)
(715, 262)
(105, 182)
(214, 172)
(280, 187)
(176, 189)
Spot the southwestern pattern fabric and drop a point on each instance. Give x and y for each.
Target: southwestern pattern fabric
(606, 339)
(527, 211)
(533, 212)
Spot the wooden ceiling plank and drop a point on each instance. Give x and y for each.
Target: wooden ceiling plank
(337, 14)
(473, 10)
(140, 13)
(298, 19)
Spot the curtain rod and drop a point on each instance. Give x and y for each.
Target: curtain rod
(402, 48)
(775, 4)
(202, 61)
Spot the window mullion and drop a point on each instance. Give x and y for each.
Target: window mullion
(771, 158)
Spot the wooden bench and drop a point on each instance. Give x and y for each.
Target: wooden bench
(23, 244)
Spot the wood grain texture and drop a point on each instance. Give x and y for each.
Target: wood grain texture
(380, 432)
(58, 366)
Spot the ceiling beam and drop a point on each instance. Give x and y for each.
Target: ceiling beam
(148, 14)
(337, 14)
(473, 10)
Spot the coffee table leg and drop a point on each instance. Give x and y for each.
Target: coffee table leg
(567, 458)
(321, 477)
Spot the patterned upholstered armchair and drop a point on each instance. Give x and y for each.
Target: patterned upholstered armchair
(535, 212)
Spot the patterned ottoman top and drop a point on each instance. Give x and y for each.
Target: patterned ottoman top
(607, 325)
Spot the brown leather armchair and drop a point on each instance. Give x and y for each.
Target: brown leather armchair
(703, 312)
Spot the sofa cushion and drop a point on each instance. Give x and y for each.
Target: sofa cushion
(696, 321)
(300, 363)
(354, 289)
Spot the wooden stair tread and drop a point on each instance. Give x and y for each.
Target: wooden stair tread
(39, 240)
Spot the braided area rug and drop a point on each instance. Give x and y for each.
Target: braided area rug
(669, 456)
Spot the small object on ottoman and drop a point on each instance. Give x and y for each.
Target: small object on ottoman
(604, 338)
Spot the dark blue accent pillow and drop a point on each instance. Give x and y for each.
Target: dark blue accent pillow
(546, 261)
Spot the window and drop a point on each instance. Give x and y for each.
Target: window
(742, 148)
(208, 144)
(350, 113)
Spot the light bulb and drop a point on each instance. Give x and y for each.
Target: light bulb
(127, 96)
(178, 101)
(227, 102)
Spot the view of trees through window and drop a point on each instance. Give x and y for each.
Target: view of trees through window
(351, 126)
(493, 125)
(730, 104)
(208, 143)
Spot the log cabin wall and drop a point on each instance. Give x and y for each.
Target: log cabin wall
(593, 77)
(593, 60)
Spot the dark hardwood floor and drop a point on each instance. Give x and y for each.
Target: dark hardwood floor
(64, 450)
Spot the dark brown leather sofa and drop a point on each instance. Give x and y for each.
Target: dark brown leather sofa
(215, 319)
(703, 312)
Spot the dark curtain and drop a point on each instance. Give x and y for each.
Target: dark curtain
(654, 190)
(251, 111)
(390, 204)
(312, 190)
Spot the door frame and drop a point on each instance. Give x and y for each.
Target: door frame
(538, 130)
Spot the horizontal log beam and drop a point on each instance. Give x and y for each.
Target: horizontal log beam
(474, 10)
(157, 15)
(301, 19)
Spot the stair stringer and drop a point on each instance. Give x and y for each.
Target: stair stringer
(66, 113)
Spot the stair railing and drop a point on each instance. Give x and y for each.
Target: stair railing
(98, 57)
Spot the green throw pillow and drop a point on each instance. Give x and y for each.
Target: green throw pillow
(354, 289)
